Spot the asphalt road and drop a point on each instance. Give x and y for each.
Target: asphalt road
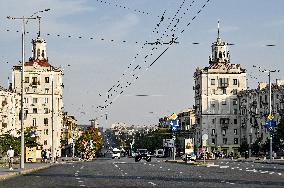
(108, 173)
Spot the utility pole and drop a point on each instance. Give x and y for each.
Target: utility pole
(52, 121)
(24, 22)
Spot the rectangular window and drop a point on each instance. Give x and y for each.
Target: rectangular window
(45, 142)
(46, 79)
(212, 82)
(223, 102)
(27, 80)
(46, 110)
(27, 89)
(34, 80)
(26, 100)
(224, 132)
(235, 111)
(34, 100)
(213, 140)
(213, 131)
(224, 91)
(235, 101)
(235, 121)
(35, 110)
(224, 140)
(45, 100)
(46, 90)
(213, 91)
(34, 122)
(235, 131)
(223, 82)
(213, 121)
(45, 121)
(236, 141)
(235, 81)
(45, 131)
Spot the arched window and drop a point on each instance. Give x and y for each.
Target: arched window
(42, 54)
(38, 53)
(220, 54)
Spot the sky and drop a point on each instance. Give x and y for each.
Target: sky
(96, 41)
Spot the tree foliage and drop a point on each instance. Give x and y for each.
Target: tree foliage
(91, 136)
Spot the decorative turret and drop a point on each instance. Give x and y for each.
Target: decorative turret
(220, 53)
(39, 47)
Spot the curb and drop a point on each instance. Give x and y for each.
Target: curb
(21, 172)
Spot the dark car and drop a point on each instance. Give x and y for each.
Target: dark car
(142, 154)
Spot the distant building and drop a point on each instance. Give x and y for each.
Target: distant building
(186, 119)
(254, 111)
(43, 95)
(216, 102)
(9, 112)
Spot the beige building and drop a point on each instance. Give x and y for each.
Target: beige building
(186, 119)
(43, 95)
(216, 103)
(9, 112)
(254, 111)
(69, 135)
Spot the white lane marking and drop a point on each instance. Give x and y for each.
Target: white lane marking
(169, 169)
(232, 168)
(264, 172)
(138, 177)
(199, 176)
(125, 173)
(116, 166)
(76, 175)
(224, 166)
(82, 167)
(73, 166)
(78, 178)
(227, 162)
(80, 181)
(153, 165)
(180, 172)
(119, 162)
(274, 167)
(77, 171)
(82, 185)
(161, 167)
(209, 165)
(240, 169)
(232, 183)
(221, 162)
(145, 163)
(279, 174)
(159, 161)
(121, 170)
(152, 183)
(271, 172)
(247, 168)
(222, 181)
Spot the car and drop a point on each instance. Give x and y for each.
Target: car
(142, 154)
(188, 157)
(115, 153)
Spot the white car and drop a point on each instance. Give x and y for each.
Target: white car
(115, 153)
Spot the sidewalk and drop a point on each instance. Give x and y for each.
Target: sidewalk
(5, 173)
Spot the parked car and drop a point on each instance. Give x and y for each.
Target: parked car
(188, 157)
(142, 154)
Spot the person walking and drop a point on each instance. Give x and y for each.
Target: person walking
(10, 155)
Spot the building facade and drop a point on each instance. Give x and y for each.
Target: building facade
(216, 102)
(9, 112)
(254, 111)
(43, 96)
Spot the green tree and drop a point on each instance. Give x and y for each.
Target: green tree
(278, 136)
(91, 135)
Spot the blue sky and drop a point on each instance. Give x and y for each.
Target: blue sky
(96, 65)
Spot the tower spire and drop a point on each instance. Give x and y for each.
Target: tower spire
(218, 28)
(38, 17)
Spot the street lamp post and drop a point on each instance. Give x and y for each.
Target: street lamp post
(270, 106)
(24, 22)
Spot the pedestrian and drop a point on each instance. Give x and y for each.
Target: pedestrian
(47, 155)
(10, 155)
(42, 155)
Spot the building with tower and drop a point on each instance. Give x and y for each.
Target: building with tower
(216, 103)
(43, 96)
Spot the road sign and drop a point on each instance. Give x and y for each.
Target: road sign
(270, 117)
(173, 116)
(174, 124)
(271, 123)
(205, 137)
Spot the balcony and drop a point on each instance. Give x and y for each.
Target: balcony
(224, 125)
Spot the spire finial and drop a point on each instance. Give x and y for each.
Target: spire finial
(218, 28)
(38, 17)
